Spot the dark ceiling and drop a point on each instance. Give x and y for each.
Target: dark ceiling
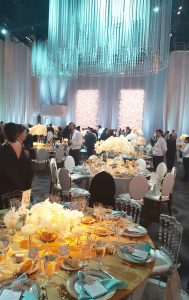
(29, 18)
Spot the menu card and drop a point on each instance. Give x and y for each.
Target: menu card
(26, 198)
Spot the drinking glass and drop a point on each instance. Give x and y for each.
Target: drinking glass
(100, 250)
(5, 239)
(50, 266)
(97, 209)
(107, 212)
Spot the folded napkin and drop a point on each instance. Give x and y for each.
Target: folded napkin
(132, 229)
(139, 252)
(18, 285)
(110, 284)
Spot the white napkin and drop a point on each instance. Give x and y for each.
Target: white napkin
(9, 294)
(140, 253)
(134, 229)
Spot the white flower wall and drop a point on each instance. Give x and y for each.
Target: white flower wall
(87, 105)
(131, 107)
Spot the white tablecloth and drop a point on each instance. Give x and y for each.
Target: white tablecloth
(83, 181)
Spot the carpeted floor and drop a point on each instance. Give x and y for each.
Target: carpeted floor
(41, 187)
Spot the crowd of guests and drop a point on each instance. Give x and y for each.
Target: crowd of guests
(16, 150)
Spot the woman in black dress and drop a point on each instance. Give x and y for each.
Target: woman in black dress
(15, 167)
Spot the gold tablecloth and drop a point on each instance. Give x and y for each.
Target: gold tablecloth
(133, 274)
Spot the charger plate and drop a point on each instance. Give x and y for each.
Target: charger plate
(134, 259)
(74, 287)
(31, 286)
(141, 232)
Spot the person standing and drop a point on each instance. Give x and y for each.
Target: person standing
(159, 149)
(90, 140)
(185, 155)
(15, 168)
(171, 151)
(75, 142)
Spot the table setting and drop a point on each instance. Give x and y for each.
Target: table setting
(60, 253)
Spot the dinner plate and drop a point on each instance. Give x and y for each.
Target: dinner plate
(74, 287)
(105, 233)
(67, 267)
(133, 259)
(140, 232)
(30, 286)
(93, 220)
(29, 267)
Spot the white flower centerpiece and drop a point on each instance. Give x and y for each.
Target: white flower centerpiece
(39, 130)
(11, 219)
(115, 145)
(51, 219)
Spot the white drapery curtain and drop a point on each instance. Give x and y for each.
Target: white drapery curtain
(177, 98)
(16, 83)
(166, 96)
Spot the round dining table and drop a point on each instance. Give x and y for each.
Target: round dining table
(133, 274)
(84, 180)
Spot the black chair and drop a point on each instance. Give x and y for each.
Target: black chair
(12, 199)
(102, 189)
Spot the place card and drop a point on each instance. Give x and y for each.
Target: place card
(26, 198)
(64, 249)
(33, 252)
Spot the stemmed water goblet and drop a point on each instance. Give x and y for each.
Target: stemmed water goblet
(100, 250)
(98, 210)
(5, 239)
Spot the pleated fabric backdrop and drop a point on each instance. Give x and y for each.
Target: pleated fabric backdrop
(166, 94)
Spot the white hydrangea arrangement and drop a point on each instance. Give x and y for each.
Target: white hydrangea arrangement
(38, 130)
(11, 218)
(51, 217)
(116, 144)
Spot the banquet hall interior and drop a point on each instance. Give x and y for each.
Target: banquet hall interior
(94, 149)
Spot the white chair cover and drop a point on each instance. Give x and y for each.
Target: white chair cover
(93, 157)
(173, 171)
(42, 155)
(153, 178)
(172, 291)
(138, 187)
(69, 163)
(49, 136)
(141, 164)
(59, 154)
(53, 161)
(167, 185)
(161, 170)
(64, 179)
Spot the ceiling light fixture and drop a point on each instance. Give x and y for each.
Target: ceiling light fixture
(156, 9)
(104, 38)
(4, 31)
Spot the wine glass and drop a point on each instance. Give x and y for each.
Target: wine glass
(97, 209)
(50, 266)
(100, 250)
(5, 239)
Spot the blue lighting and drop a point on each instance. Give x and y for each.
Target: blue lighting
(3, 31)
(156, 9)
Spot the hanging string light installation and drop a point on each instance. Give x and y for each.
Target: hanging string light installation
(104, 38)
